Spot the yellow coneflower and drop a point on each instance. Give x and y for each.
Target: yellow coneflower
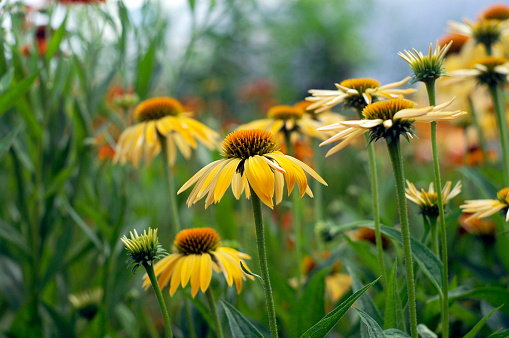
(251, 162)
(283, 120)
(485, 31)
(487, 207)
(87, 302)
(162, 116)
(197, 252)
(489, 70)
(428, 200)
(143, 249)
(355, 93)
(387, 119)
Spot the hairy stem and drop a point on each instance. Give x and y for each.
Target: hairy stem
(155, 285)
(264, 270)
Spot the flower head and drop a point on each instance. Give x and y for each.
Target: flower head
(387, 119)
(355, 93)
(476, 226)
(197, 252)
(485, 31)
(496, 12)
(489, 70)
(429, 67)
(163, 116)
(285, 119)
(87, 302)
(143, 249)
(487, 207)
(456, 41)
(428, 200)
(251, 161)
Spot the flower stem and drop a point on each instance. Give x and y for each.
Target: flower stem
(434, 236)
(215, 315)
(264, 270)
(153, 279)
(170, 182)
(374, 199)
(399, 176)
(189, 317)
(318, 192)
(502, 128)
(297, 222)
(430, 87)
(482, 139)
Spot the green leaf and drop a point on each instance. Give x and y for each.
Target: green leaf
(365, 303)
(326, 324)
(61, 323)
(10, 97)
(6, 80)
(58, 181)
(395, 333)
(239, 325)
(11, 234)
(429, 263)
(374, 330)
(501, 334)
(425, 332)
(82, 225)
(366, 256)
(478, 326)
(55, 41)
(7, 141)
(202, 309)
(310, 308)
(145, 70)
(192, 4)
(390, 299)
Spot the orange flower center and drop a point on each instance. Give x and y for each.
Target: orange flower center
(385, 110)
(285, 112)
(457, 42)
(245, 143)
(503, 195)
(360, 84)
(491, 61)
(156, 108)
(496, 12)
(197, 241)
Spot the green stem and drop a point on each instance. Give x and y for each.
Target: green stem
(434, 236)
(482, 139)
(215, 315)
(264, 270)
(190, 322)
(430, 87)
(297, 222)
(489, 49)
(498, 102)
(374, 200)
(318, 192)
(153, 279)
(170, 181)
(399, 176)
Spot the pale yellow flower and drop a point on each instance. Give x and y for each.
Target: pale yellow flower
(356, 93)
(487, 207)
(387, 119)
(428, 200)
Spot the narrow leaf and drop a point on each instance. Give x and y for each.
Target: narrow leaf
(374, 330)
(82, 224)
(7, 141)
(390, 302)
(9, 98)
(11, 234)
(478, 326)
(55, 41)
(310, 308)
(240, 326)
(326, 324)
(395, 333)
(425, 332)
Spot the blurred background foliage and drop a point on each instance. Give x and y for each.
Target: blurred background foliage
(70, 73)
